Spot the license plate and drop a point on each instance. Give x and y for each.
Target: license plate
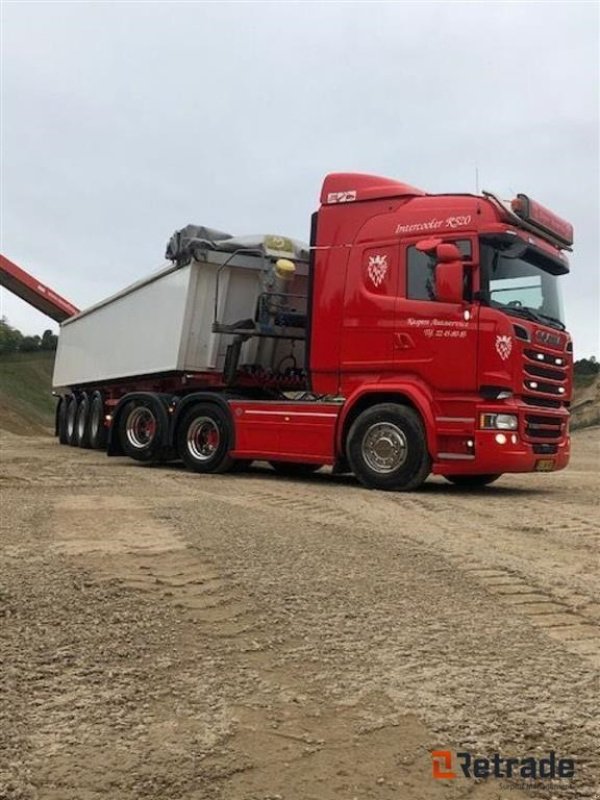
(544, 465)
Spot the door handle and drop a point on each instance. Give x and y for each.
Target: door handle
(402, 341)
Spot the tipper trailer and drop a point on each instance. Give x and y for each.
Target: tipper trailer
(415, 334)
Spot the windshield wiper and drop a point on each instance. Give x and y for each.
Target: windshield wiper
(553, 320)
(530, 313)
(519, 311)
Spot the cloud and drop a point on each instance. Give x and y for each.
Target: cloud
(125, 121)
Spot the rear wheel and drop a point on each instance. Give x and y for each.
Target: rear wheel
(139, 431)
(293, 469)
(472, 481)
(387, 449)
(71, 421)
(82, 438)
(97, 429)
(62, 420)
(204, 438)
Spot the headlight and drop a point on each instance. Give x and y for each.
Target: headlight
(503, 422)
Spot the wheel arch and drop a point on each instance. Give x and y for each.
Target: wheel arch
(413, 396)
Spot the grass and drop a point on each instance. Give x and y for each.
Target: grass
(26, 402)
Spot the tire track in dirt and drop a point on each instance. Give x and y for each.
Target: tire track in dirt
(570, 619)
(123, 541)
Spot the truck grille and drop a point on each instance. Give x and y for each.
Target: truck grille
(545, 378)
(542, 428)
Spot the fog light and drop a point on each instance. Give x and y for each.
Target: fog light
(561, 390)
(558, 361)
(533, 385)
(108, 418)
(501, 438)
(514, 438)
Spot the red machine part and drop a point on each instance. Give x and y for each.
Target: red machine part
(28, 288)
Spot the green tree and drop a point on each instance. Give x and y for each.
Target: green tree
(10, 338)
(49, 341)
(29, 344)
(586, 366)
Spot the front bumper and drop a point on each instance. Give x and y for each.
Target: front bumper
(499, 451)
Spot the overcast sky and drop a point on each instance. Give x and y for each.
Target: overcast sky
(125, 121)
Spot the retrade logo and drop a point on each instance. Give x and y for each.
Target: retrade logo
(441, 765)
(445, 765)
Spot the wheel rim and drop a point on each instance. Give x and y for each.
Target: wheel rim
(141, 427)
(384, 447)
(203, 438)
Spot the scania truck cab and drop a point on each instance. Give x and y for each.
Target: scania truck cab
(452, 302)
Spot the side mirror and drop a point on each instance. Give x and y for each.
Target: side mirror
(449, 270)
(449, 281)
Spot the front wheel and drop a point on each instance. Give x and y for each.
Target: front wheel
(204, 439)
(387, 449)
(472, 481)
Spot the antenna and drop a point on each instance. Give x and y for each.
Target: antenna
(476, 179)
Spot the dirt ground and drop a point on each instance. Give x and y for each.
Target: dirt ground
(250, 637)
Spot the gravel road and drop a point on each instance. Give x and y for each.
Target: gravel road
(166, 635)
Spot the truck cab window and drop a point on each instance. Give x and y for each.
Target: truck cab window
(420, 271)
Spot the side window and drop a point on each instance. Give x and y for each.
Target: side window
(420, 271)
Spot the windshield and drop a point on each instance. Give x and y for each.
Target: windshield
(520, 286)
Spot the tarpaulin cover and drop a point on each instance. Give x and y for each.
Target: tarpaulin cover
(187, 243)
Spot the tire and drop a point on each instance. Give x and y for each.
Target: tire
(82, 438)
(472, 481)
(293, 469)
(97, 429)
(204, 437)
(62, 420)
(71, 422)
(139, 430)
(387, 449)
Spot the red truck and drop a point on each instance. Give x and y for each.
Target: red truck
(417, 334)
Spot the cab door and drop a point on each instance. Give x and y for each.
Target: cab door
(369, 309)
(435, 340)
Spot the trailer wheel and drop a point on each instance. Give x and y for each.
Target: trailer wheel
(96, 425)
(62, 420)
(387, 450)
(82, 438)
(293, 469)
(71, 422)
(472, 481)
(204, 439)
(139, 431)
